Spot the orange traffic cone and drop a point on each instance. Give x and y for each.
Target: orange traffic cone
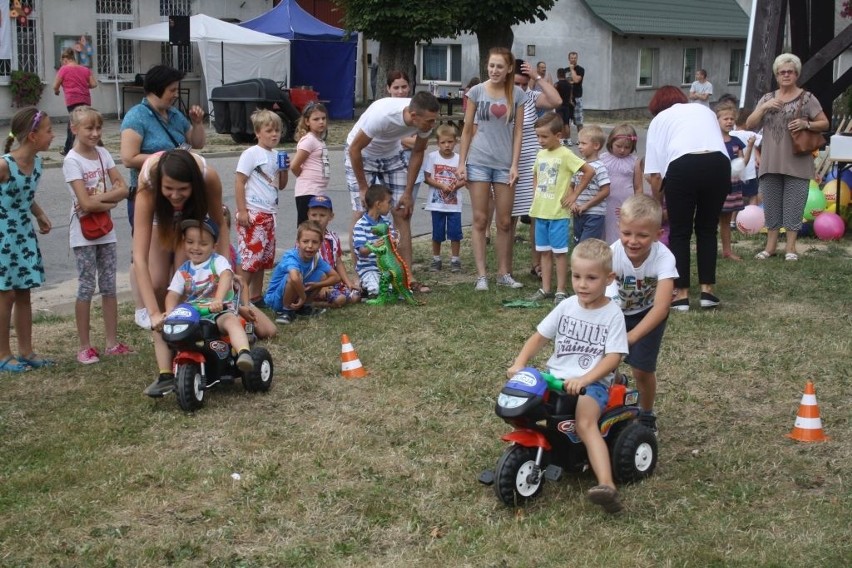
(350, 364)
(808, 427)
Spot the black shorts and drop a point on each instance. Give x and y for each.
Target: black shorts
(566, 113)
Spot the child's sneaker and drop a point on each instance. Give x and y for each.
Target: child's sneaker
(119, 349)
(481, 284)
(540, 295)
(508, 281)
(244, 362)
(142, 319)
(558, 297)
(606, 497)
(162, 385)
(437, 265)
(88, 356)
(284, 317)
(455, 265)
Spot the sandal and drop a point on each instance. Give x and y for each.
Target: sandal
(6, 365)
(35, 361)
(536, 271)
(763, 255)
(420, 288)
(606, 497)
(791, 256)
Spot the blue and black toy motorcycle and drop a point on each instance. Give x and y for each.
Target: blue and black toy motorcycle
(205, 358)
(544, 443)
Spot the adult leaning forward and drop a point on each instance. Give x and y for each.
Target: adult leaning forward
(784, 176)
(687, 163)
(174, 186)
(155, 125)
(374, 154)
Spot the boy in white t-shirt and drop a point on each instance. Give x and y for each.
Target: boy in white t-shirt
(644, 281)
(206, 277)
(261, 174)
(444, 201)
(589, 339)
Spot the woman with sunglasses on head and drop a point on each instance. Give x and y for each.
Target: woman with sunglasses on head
(784, 175)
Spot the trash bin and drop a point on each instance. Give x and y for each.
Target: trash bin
(234, 103)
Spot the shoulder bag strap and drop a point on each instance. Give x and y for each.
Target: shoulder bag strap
(163, 126)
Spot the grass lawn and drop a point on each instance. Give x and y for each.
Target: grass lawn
(382, 471)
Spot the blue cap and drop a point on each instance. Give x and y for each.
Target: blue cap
(320, 201)
(207, 224)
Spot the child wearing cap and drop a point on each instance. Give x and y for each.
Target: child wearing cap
(206, 277)
(261, 174)
(299, 276)
(321, 212)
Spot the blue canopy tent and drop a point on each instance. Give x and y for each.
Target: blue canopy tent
(320, 55)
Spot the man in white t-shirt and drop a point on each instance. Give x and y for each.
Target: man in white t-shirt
(373, 155)
(701, 89)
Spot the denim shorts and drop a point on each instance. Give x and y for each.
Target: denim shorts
(484, 173)
(599, 393)
(552, 234)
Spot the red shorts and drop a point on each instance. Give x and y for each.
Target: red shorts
(257, 242)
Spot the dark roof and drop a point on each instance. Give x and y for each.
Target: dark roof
(723, 19)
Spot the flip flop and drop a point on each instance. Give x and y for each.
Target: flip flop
(7, 366)
(606, 497)
(35, 361)
(420, 288)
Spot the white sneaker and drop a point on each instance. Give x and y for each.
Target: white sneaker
(508, 281)
(481, 284)
(142, 319)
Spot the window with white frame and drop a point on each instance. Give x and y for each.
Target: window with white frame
(440, 63)
(179, 57)
(115, 56)
(26, 37)
(647, 66)
(735, 74)
(691, 64)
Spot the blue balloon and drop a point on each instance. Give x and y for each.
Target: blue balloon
(829, 176)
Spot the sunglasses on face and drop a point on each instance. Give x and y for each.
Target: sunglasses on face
(787, 72)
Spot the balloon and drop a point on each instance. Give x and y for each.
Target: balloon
(846, 177)
(829, 226)
(750, 220)
(830, 208)
(813, 185)
(829, 176)
(830, 192)
(807, 229)
(815, 203)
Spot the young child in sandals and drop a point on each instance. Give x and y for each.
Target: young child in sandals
(589, 337)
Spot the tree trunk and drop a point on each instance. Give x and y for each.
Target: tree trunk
(498, 36)
(395, 56)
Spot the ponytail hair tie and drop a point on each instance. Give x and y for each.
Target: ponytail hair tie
(11, 135)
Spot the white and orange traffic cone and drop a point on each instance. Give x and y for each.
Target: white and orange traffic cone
(808, 427)
(350, 364)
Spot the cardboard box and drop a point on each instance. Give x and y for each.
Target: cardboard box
(841, 148)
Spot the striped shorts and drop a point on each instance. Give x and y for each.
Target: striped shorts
(784, 199)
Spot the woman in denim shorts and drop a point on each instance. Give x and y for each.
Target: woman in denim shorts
(489, 156)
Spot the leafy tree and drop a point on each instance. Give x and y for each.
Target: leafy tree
(492, 21)
(399, 25)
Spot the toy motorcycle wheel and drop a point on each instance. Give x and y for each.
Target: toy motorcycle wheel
(634, 454)
(189, 387)
(260, 378)
(516, 478)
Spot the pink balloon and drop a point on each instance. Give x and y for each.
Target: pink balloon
(750, 220)
(829, 226)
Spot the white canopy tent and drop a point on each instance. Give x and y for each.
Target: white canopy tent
(228, 52)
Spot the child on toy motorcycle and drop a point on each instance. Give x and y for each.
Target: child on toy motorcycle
(589, 338)
(207, 278)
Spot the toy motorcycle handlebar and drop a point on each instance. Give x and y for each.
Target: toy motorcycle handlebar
(204, 307)
(555, 384)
